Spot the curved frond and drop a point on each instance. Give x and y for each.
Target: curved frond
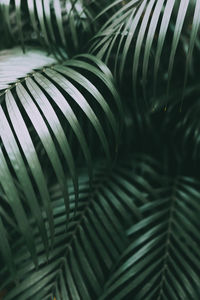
(99, 192)
(52, 23)
(38, 113)
(136, 34)
(84, 254)
(162, 260)
(14, 64)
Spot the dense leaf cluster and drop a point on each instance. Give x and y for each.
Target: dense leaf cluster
(99, 149)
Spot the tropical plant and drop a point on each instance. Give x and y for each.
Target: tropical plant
(99, 149)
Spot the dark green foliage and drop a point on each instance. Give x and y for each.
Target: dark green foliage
(99, 149)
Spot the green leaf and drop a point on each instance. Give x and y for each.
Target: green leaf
(137, 30)
(14, 64)
(35, 136)
(71, 20)
(6, 250)
(16, 205)
(30, 154)
(83, 255)
(160, 262)
(19, 21)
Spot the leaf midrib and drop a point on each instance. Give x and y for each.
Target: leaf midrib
(167, 244)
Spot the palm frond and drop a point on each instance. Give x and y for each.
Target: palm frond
(35, 113)
(84, 254)
(99, 192)
(52, 23)
(14, 64)
(138, 31)
(162, 260)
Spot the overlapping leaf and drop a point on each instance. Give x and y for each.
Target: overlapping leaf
(14, 64)
(51, 22)
(84, 254)
(162, 261)
(138, 30)
(37, 115)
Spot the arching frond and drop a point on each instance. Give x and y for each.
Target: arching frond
(99, 193)
(84, 254)
(65, 23)
(136, 34)
(162, 261)
(38, 113)
(14, 64)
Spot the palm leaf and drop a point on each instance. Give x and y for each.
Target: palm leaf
(31, 128)
(48, 21)
(11, 59)
(140, 28)
(82, 255)
(162, 260)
